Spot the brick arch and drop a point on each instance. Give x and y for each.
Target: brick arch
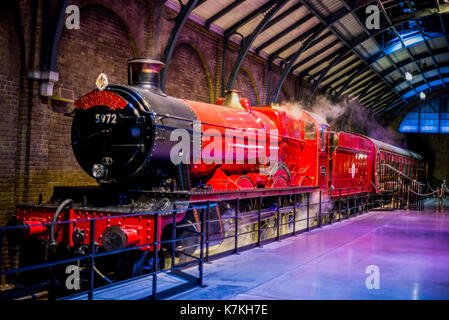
(83, 54)
(184, 83)
(125, 26)
(254, 89)
(205, 69)
(286, 93)
(12, 70)
(86, 52)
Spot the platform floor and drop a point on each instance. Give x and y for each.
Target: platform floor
(411, 250)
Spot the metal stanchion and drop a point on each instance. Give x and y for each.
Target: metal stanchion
(90, 294)
(339, 207)
(308, 211)
(173, 244)
(155, 255)
(207, 222)
(319, 212)
(442, 199)
(278, 219)
(348, 210)
(408, 197)
(438, 200)
(236, 235)
(200, 265)
(294, 214)
(259, 222)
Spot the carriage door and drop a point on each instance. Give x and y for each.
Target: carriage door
(323, 157)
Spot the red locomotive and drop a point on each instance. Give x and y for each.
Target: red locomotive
(150, 152)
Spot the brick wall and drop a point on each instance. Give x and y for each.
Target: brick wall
(9, 103)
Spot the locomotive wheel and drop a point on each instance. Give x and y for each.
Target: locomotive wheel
(280, 182)
(245, 182)
(281, 177)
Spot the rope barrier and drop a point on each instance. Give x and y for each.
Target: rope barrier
(423, 195)
(445, 187)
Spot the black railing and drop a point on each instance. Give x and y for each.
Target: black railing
(93, 254)
(243, 224)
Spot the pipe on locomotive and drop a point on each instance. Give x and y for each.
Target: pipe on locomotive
(61, 207)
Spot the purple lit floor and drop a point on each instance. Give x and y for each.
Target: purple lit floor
(411, 250)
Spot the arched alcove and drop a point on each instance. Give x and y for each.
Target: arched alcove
(191, 80)
(83, 55)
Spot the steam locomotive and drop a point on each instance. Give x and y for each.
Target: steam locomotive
(151, 152)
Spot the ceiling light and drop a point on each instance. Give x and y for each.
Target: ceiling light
(422, 95)
(408, 76)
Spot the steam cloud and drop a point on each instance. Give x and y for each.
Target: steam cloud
(351, 117)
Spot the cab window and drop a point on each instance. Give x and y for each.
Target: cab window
(310, 130)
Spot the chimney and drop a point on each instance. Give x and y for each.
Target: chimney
(144, 73)
(232, 99)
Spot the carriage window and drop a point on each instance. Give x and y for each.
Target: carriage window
(310, 130)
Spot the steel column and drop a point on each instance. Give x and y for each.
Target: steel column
(180, 21)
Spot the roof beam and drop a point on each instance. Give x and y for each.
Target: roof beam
(339, 55)
(288, 67)
(331, 28)
(429, 69)
(266, 7)
(284, 32)
(53, 27)
(402, 106)
(365, 97)
(340, 69)
(352, 77)
(293, 42)
(341, 77)
(274, 7)
(283, 15)
(430, 80)
(223, 11)
(316, 54)
(370, 91)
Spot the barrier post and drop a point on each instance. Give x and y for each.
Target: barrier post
(294, 214)
(319, 212)
(207, 222)
(173, 244)
(348, 211)
(155, 255)
(308, 211)
(259, 222)
(339, 207)
(236, 231)
(408, 198)
(90, 294)
(438, 200)
(200, 265)
(278, 218)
